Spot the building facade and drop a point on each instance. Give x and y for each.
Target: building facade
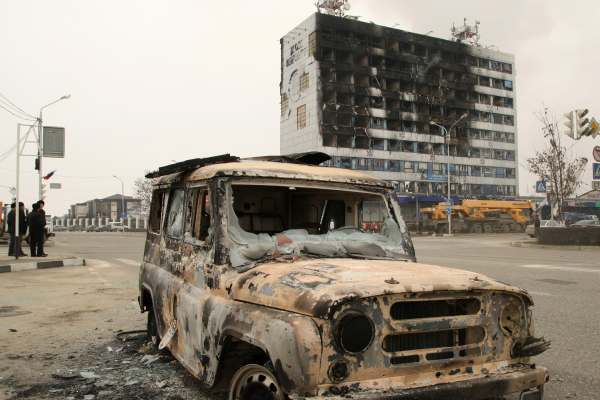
(368, 95)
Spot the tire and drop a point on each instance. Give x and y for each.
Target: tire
(506, 228)
(487, 228)
(519, 228)
(477, 228)
(254, 382)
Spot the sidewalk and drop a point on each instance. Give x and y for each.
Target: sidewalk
(534, 243)
(10, 264)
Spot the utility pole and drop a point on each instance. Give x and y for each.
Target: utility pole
(448, 167)
(122, 196)
(40, 144)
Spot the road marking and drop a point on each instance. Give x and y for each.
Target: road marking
(541, 266)
(128, 262)
(540, 294)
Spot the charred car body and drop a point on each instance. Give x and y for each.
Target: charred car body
(258, 279)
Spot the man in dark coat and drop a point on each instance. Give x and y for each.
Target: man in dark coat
(10, 221)
(36, 232)
(43, 224)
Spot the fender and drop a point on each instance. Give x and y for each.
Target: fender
(292, 341)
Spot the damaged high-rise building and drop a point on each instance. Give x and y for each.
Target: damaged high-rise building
(369, 95)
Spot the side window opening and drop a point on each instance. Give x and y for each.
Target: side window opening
(158, 200)
(198, 216)
(174, 220)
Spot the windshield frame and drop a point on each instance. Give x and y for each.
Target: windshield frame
(229, 245)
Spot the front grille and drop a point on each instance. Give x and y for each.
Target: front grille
(433, 339)
(434, 308)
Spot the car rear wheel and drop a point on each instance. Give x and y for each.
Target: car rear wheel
(506, 228)
(519, 228)
(488, 228)
(255, 382)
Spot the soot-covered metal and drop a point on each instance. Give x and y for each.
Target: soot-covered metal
(277, 298)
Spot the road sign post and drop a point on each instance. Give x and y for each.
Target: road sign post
(448, 212)
(540, 187)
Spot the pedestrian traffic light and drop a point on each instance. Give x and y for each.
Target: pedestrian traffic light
(582, 129)
(37, 164)
(570, 123)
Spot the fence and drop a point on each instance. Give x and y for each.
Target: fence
(132, 223)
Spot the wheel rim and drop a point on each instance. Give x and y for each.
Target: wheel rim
(254, 382)
(477, 229)
(488, 229)
(506, 228)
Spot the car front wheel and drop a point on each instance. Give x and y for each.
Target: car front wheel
(255, 382)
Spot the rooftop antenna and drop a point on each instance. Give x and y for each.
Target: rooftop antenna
(466, 34)
(333, 7)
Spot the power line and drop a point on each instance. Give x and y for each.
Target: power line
(13, 104)
(18, 116)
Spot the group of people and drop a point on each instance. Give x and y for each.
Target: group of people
(35, 221)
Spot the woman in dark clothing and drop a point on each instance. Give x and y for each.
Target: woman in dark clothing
(36, 232)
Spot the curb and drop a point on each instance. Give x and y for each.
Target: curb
(551, 247)
(73, 262)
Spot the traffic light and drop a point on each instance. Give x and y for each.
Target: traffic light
(37, 164)
(582, 129)
(570, 124)
(43, 191)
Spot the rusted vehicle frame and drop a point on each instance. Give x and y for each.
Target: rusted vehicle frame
(286, 316)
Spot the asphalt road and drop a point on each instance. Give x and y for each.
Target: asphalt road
(67, 304)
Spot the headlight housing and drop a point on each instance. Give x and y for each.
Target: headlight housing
(354, 333)
(512, 319)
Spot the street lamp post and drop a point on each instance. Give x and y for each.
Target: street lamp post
(448, 166)
(122, 195)
(40, 149)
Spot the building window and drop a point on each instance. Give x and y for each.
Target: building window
(302, 117)
(409, 166)
(304, 82)
(312, 44)
(507, 68)
(437, 168)
(488, 172)
(285, 103)
(377, 165)
(362, 164)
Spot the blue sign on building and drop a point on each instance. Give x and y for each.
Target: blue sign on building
(596, 171)
(434, 177)
(540, 187)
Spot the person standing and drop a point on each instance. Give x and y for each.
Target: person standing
(35, 232)
(536, 226)
(10, 221)
(42, 233)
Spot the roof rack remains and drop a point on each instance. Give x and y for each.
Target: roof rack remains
(309, 158)
(192, 164)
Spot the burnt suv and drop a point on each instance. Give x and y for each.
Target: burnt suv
(260, 277)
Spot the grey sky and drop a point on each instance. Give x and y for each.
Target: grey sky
(156, 81)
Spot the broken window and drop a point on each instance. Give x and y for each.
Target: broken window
(508, 85)
(329, 140)
(301, 117)
(488, 172)
(484, 81)
(392, 84)
(476, 189)
(158, 204)
(448, 56)
(461, 59)
(497, 83)
(391, 64)
(377, 102)
(510, 173)
(406, 47)
(344, 98)
(409, 166)
(361, 121)
(420, 50)
(499, 155)
(198, 217)
(497, 119)
(509, 120)
(312, 44)
(498, 101)
(376, 41)
(327, 54)
(394, 145)
(437, 168)
(484, 99)
(462, 95)
(304, 82)
(377, 62)
(174, 219)
(361, 80)
(486, 117)
(344, 119)
(463, 170)
(343, 77)
(392, 104)
(346, 161)
(475, 170)
(487, 153)
(474, 62)
(508, 102)
(344, 141)
(374, 82)
(408, 147)
(377, 165)
(510, 137)
(361, 142)
(329, 118)
(362, 164)
(285, 103)
(328, 34)
(486, 135)
(328, 97)
(362, 60)
(507, 68)
(360, 38)
(406, 86)
(484, 63)
(393, 165)
(343, 36)
(378, 144)
(424, 187)
(496, 66)
(378, 123)
(393, 45)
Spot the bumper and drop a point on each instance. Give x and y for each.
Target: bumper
(496, 384)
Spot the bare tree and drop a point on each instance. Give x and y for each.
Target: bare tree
(554, 164)
(143, 191)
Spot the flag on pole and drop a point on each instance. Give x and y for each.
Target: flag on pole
(49, 175)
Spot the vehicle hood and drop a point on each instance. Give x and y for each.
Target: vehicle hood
(320, 287)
